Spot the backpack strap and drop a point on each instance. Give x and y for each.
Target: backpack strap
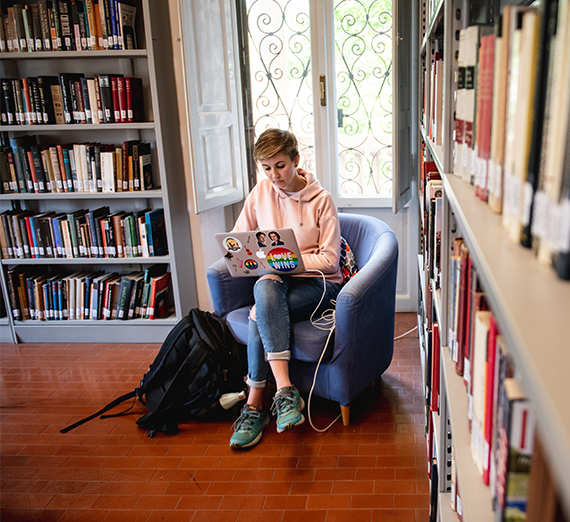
(109, 406)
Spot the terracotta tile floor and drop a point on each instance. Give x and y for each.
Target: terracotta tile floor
(373, 470)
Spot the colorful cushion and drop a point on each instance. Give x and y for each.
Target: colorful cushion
(347, 261)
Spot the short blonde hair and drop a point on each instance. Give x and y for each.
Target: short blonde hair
(274, 141)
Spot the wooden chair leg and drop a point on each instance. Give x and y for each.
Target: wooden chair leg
(345, 412)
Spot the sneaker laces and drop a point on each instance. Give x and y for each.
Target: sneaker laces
(283, 402)
(246, 419)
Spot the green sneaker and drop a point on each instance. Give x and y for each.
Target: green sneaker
(248, 428)
(288, 405)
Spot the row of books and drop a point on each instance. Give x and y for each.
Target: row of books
(72, 98)
(25, 234)
(512, 125)
(88, 295)
(68, 25)
(28, 167)
(501, 419)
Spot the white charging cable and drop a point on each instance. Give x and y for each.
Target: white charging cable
(325, 322)
(404, 334)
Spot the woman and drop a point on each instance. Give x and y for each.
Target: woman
(288, 198)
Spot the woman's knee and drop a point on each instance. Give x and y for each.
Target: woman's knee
(273, 277)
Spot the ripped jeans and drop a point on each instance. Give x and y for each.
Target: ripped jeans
(278, 303)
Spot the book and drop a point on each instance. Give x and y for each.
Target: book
(158, 299)
(438, 101)
(461, 308)
(553, 189)
(134, 99)
(9, 102)
(55, 26)
(434, 404)
(539, 138)
(490, 398)
(66, 80)
(121, 108)
(20, 145)
(520, 98)
(126, 24)
(106, 29)
(58, 105)
(145, 166)
(111, 296)
(19, 36)
(44, 24)
(156, 233)
(465, 100)
(124, 296)
(115, 96)
(16, 90)
(500, 89)
(482, 324)
(127, 164)
(91, 25)
(45, 84)
(66, 24)
(484, 115)
(108, 171)
(467, 320)
(516, 437)
(8, 186)
(87, 116)
(106, 95)
(478, 303)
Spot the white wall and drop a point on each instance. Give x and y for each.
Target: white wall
(206, 224)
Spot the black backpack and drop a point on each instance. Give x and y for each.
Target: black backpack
(198, 362)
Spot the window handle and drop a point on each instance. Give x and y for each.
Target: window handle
(323, 86)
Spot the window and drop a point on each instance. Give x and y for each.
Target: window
(286, 79)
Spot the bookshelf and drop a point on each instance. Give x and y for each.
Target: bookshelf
(159, 128)
(529, 302)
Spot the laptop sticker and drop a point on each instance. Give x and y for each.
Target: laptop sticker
(282, 259)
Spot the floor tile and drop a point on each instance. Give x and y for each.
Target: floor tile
(110, 471)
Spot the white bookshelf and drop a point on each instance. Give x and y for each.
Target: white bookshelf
(152, 62)
(530, 303)
(532, 308)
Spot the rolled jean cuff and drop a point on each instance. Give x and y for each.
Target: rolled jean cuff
(285, 355)
(255, 384)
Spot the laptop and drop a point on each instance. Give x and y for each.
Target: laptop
(259, 252)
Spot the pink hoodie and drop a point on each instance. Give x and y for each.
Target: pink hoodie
(310, 212)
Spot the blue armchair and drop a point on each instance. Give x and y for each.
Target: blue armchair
(363, 342)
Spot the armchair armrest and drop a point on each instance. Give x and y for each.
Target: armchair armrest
(365, 308)
(228, 293)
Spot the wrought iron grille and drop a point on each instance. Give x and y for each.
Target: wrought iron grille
(363, 61)
(281, 84)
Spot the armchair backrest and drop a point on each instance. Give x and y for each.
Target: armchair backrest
(362, 233)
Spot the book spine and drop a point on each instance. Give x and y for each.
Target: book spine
(66, 21)
(58, 105)
(44, 24)
(55, 26)
(115, 97)
(86, 100)
(29, 115)
(93, 44)
(19, 101)
(9, 102)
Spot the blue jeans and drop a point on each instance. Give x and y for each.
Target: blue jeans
(278, 303)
